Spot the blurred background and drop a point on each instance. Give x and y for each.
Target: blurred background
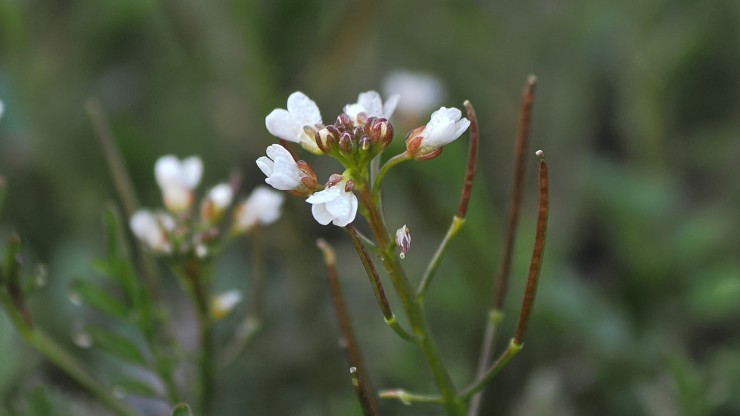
(637, 110)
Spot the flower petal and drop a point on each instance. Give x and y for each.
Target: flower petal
(303, 110)
(320, 214)
(281, 124)
(390, 106)
(191, 171)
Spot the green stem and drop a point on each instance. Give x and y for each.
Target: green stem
(205, 363)
(407, 398)
(412, 307)
(385, 169)
(455, 227)
(512, 350)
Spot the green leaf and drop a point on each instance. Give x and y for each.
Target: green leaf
(130, 387)
(181, 409)
(116, 345)
(92, 296)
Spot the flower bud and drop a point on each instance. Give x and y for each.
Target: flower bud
(344, 123)
(333, 180)
(345, 143)
(327, 138)
(381, 131)
(365, 143)
(403, 240)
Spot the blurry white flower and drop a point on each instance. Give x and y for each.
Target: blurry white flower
(336, 204)
(177, 179)
(445, 125)
(371, 105)
(403, 240)
(216, 202)
(419, 92)
(201, 251)
(289, 124)
(224, 303)
(262, 206)
(283, 172)
(152, 229)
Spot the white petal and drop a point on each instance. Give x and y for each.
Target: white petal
(372, 103)
(460, 127)
(352, 110)
(320, 214)
(327, 195)
(221, 195)
(390, 106)
(303, 110)
(265, 165)
(167, 171)
(265, 203)
(141, 224)
(275, 150)
(281, 124)
(343, 209)
(192, 171)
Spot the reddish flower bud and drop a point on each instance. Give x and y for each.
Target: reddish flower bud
(344, 123)
(345, 143)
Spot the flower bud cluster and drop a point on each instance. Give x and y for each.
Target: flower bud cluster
(358, 135)
(180, 230)
(355, 142)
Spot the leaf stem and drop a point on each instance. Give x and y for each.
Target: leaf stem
(360, 379)
(377, 285)
(412, 307)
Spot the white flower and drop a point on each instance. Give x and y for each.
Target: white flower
(224, 303)
(334, 204)
(177, 179)
(289, 124)
(220, 195)
(262, 206)
(281, 170)
(216, 202)
(152, 229)
(444, 126)
(419, 92)
(369, 102)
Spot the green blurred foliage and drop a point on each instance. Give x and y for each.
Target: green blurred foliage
(637, 111)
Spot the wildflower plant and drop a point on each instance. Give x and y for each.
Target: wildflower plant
(187, 233)
(357, 139)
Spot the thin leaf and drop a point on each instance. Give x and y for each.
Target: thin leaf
(116, 345)
(92, 296)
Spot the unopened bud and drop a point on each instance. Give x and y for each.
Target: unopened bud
(344, 122)
(345, 143)
(403, 240)
(415, 147)
(326, 138)
(349, 186)
(382, 131)
(361, 117)
(333, 180)
(365, 143)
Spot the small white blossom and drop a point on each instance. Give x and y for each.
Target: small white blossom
(262, 206)
(152, 229)
(177, 179)
(334, 204)
(289, 124)
(221, 196)
(420, 92)
(445, 125)
(224, 303)
(371, 104)
(281, 170)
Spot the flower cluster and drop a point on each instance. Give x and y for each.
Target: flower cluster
(177, 231)
(359, 135)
